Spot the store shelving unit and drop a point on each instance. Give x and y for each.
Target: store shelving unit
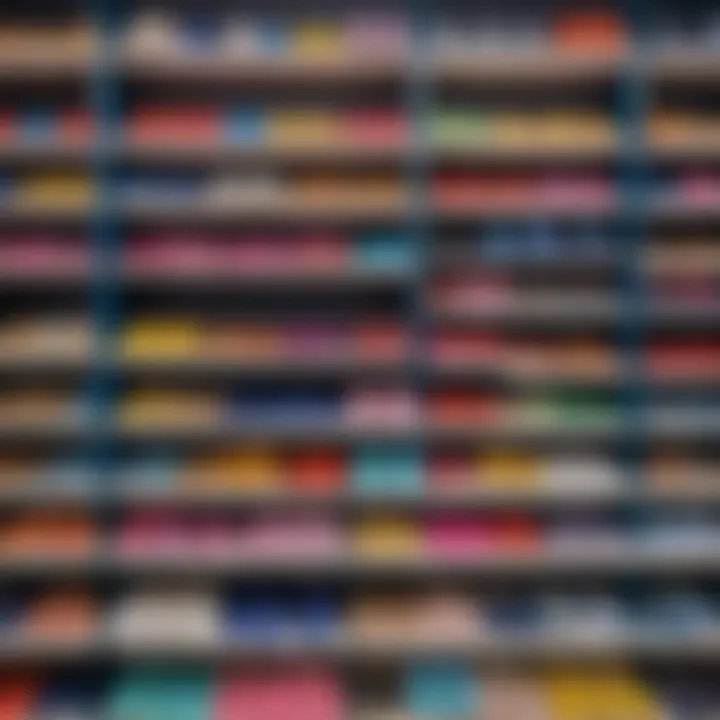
(633, 77)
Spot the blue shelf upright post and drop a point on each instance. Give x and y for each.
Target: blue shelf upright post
(418, 102)
(104, 95)
(635, 185)
(634, 190)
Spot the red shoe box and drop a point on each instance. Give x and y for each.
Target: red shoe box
(592, 31)
(574, 190)
(452, 472)
(476, 191)
(374, 127)
(174, 124)
(18, 695)
(180, 254)
(517, 533)
(317, 469)
(318, 252)
(462, 408)
(471, 293)
(467, 348)
(8, 126)
(75, 127)
(683, 357)
(379, 341)
(62, 614)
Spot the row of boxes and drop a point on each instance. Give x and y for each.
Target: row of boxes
(381, 36)
(497, 292)
(287, 536)
(40, 124)
(207, 340)
(377, 249)
(318, 127)
(378, 36)
(365, 469)
(357, 407)
(450, 191)
(422, 690)
(321, 126)
(177, 615)
(158, 692)
(42, 40)
(320, 405)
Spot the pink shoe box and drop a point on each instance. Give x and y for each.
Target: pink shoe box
(468, 348)
(377, 36)
(256, 254)
(145, 254)
(182, 254)
(263, 537)
(266, 536)
(190, 254)
(574, 191)
(457, 535)
(317, 536)
(379, 341)
(153, 533)
(273, 695)
(8, 126)
(380, 408)
(75, 127)
(318, 252)
(316, 341)
(282, 536)
(213, 536)
(699, 188)
(317, 692)
(294, 689)
(237, 697)
(685, 290)
(271, 699)
(475, 292)
(452, 472)
(448, 616)
(42, 255)
(376, 127)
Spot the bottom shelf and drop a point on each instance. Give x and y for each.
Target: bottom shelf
(418, 691)
(703, 648)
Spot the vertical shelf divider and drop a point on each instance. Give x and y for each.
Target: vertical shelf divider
(634, 196)
(104, 95)
(418, 103)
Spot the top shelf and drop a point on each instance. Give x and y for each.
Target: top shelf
(540, 67)
(490, 67)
